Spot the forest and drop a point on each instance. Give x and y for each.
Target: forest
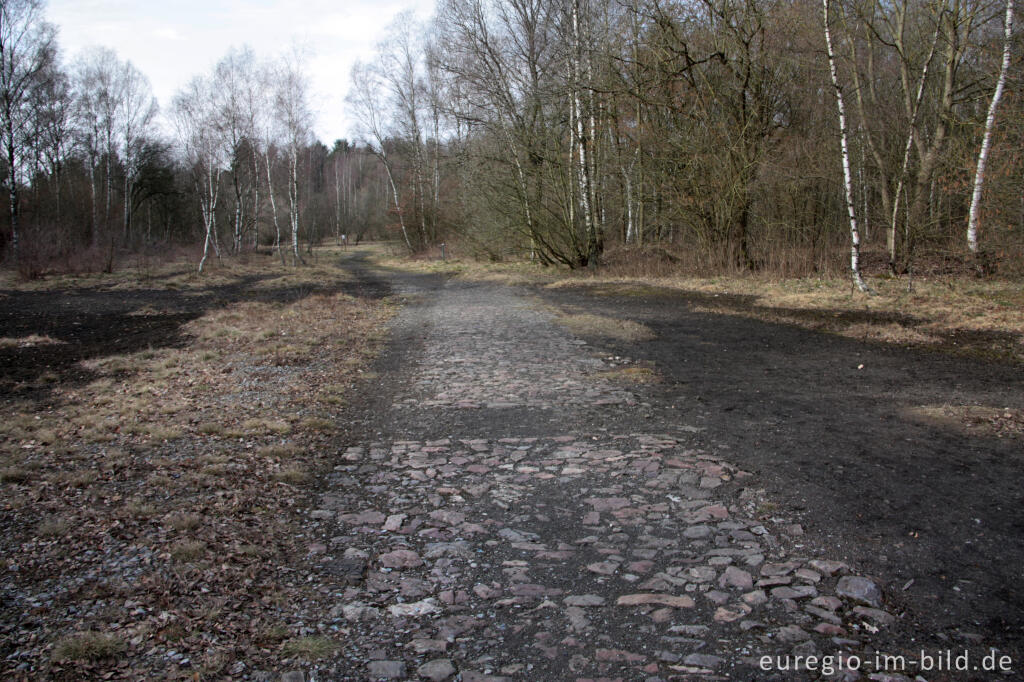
(787, 136)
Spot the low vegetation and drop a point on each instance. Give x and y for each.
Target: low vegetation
(151, 487)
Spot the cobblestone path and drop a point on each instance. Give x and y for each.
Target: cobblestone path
(534, 539)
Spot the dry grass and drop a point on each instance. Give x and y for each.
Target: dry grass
(27, 341)
(928, 312)
(53, 528)
(183, 520)
(587, 324)
(937, 307)
(188, 550)
(309, 648)
(631, 375)
(974, 419)
(15, 474)
(189, 452)
(293, 475)
(88, 646)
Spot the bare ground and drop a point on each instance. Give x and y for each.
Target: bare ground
(510, 493)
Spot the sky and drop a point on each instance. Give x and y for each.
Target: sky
(173, 40)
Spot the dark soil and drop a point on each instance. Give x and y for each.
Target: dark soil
(98, 322)
(938, 514)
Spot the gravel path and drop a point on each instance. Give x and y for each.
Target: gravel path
(512, 514)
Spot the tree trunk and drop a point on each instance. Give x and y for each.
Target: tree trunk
(979, 173)
(847, 179)
(273, 211)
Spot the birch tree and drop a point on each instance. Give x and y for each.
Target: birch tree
(237, 102)
(203, 149)
(364, 99)
(295, 122)
(979, 172)
(137, 110)
(27, 47)
(845, 154)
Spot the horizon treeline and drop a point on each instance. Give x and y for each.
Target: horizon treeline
(704, 132)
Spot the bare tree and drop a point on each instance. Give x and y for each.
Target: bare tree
(294, 120)
(137, 110)
(237, 101)
(203, 148)
(364, 99)
(27, 47)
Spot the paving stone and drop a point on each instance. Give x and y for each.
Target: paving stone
(859, 589)
(679, 602)
(464, 544)
(387, 670)
(400, 558)
(437, 670)
(736, 577)
(584, 600)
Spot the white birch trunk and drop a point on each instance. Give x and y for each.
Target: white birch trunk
(273, 210)
(979, 173)
(293, 204)
(398, 206)
(847, 179)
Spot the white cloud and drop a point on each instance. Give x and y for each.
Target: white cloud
(173, 41)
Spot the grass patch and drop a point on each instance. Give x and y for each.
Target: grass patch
(28, 341)
(292, 475)
(53, 528)
(282, 451)
(210, 429)
(1001, 422)
(631, 375)
(587, 324)
(309, 648)
(88, 646)
(317, 424)
(188, 550)
(15, 474)
(183, 520)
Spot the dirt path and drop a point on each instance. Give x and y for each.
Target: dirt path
(507, 510)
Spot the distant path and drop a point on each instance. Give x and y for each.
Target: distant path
(510, 511)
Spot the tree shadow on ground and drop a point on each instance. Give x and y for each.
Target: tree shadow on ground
(871, 326)
(822, 420)
(88, 323)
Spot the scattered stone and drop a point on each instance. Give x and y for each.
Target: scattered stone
(415, 609)
(876, 616)
(400, 559)
(584, 600)
(736, 577)
(859, 589)
(603, 567)
(387, 670)
(704, 660)
(437, 670)
(618, 655)
(829, 567)
(797, 592)
(394, 522)
(791, 633)
(698, 532)
(680, 602)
